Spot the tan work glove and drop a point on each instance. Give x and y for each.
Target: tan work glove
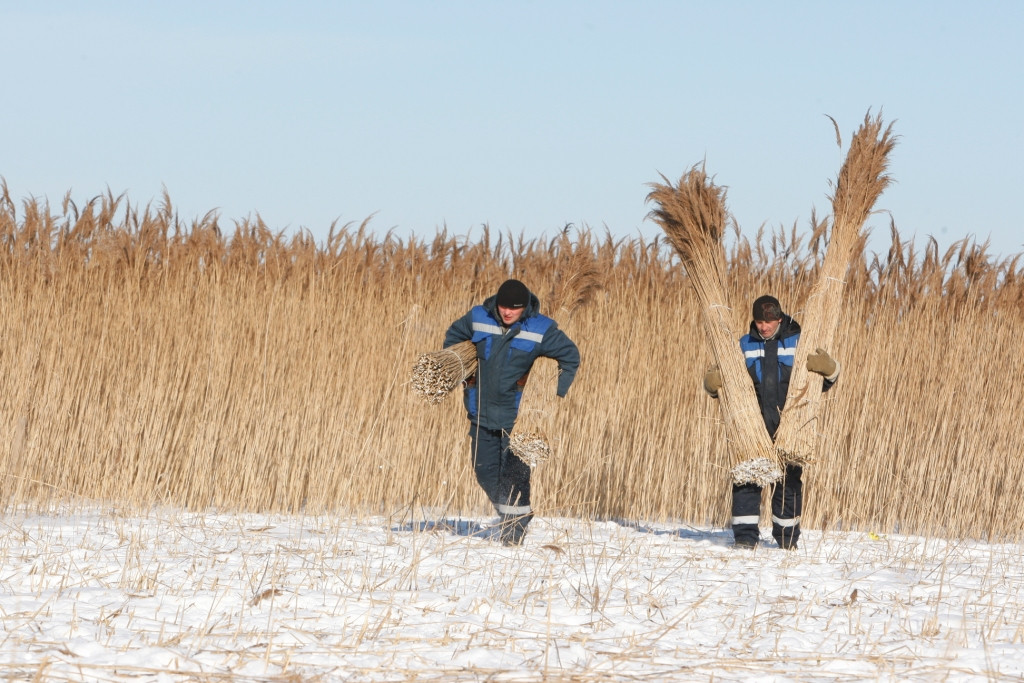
(713, 380)
(821, 363)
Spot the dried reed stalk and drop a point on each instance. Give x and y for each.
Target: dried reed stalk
(436, 373)
(693, 216)
(576, 282)
(862, 179)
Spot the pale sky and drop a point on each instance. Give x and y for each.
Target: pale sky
(522, 115)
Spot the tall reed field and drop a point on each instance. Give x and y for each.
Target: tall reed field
(149, 361)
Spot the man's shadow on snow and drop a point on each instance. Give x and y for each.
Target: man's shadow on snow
(456, 527)
(473, 529)
(716, 537)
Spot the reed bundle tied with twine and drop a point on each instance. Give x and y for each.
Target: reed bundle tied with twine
(576, 282)
(693, 216)
(436, 373)
(530, 439)
(862, 179)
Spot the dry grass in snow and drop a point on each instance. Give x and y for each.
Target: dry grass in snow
(169, 595)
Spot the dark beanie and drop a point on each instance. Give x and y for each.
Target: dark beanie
(513, 294)
(767, 308)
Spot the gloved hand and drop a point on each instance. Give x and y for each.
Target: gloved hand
(821, 363)
(713, 380)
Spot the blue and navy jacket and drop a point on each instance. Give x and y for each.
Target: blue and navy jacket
(505, 357)
(770, 364)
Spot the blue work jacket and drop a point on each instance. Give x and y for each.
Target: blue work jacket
(505, 357)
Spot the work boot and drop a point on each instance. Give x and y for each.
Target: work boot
(786, 540)
(513, 529)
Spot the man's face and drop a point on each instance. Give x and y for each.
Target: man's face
(767, 328)
(510, 315)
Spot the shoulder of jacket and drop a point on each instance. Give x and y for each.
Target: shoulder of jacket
(479, 312)
(539, 322)
(540, 319)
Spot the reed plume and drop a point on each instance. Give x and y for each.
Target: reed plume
(693, 216)
(862, 179)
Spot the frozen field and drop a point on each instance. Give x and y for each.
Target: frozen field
(97, 595)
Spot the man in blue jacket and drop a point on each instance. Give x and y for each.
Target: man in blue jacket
(510, 334)
(769, 350)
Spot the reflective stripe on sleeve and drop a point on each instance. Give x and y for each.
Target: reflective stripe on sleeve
(485, 327)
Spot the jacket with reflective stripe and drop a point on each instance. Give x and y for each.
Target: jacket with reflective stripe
(505, 357)
(770, 364)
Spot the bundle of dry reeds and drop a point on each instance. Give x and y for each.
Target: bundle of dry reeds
(530, 439)
(531, 444)
(862, 179)
(693, 216)
(576, 281)
(436, 373)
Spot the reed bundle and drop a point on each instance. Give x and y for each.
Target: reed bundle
(530, 440)
(693, 215)
(862, 179)
(576, 281)
(436, 373)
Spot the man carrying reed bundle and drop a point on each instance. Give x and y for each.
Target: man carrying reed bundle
(769, 349)
(510, 334)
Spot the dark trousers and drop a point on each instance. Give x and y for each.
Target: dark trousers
(787, 505)
(503, 477)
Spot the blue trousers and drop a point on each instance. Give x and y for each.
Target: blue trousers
(503, 477)
(787, 504)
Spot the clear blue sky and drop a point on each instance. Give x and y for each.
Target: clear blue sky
(522, 115)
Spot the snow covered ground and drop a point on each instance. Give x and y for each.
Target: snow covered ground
(166, 596)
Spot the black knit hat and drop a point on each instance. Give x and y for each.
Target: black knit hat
(512, 294)
(767, 309)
